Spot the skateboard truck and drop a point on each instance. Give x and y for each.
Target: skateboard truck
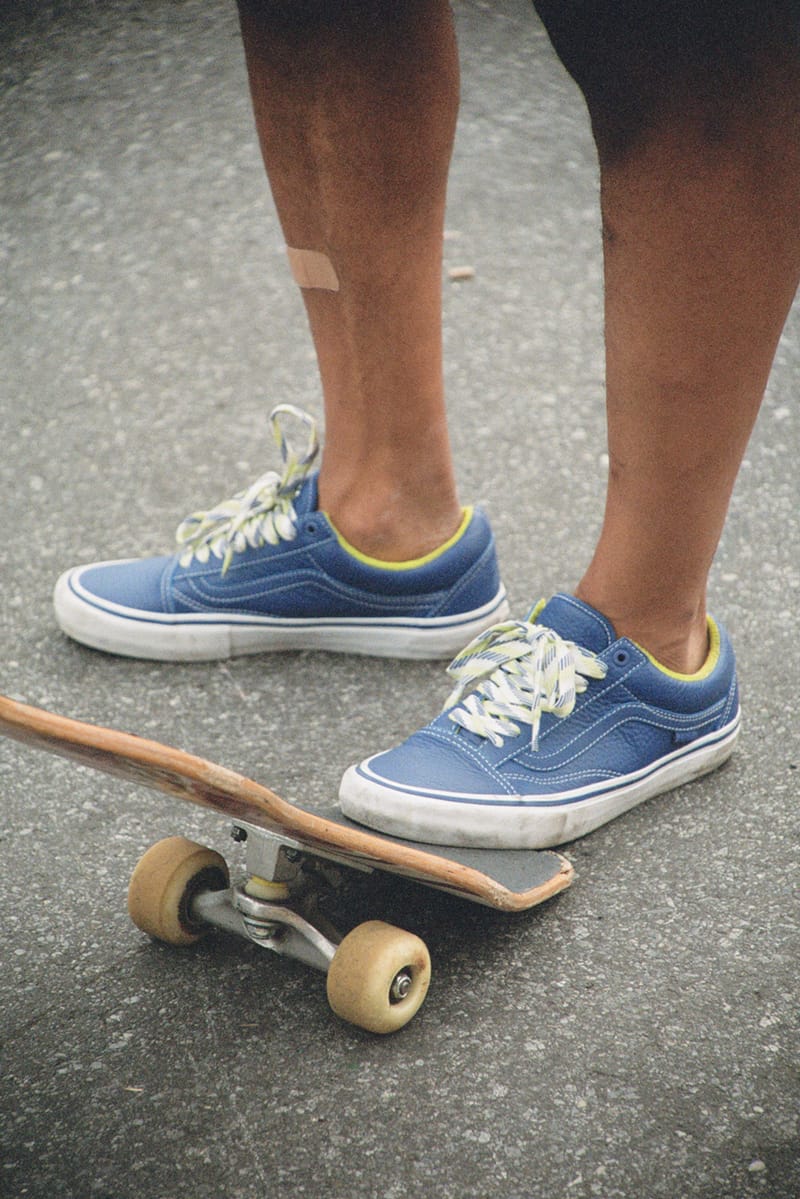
(377, 976)
(254, 910)
(266, 923)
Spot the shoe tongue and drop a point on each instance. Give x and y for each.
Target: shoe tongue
(576, 621)
(306, 499)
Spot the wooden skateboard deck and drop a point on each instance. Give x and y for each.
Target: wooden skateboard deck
(507, 880)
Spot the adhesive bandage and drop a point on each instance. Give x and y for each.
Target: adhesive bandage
(311, 268)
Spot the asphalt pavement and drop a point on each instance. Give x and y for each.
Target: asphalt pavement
(634, 1038)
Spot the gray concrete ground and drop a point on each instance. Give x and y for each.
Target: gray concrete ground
(634, 1038)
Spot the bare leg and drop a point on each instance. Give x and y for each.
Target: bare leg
(696, 114)
(355, 105)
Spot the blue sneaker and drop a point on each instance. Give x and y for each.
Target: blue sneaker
(555, 727)
(267, 570)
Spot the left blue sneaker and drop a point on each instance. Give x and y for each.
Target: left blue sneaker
(555, 727)
(267, 570)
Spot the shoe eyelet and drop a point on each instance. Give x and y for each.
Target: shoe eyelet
(311, 526)
(621, 657)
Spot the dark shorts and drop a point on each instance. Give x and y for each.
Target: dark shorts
(639, 60)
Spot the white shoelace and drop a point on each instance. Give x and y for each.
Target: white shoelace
(263, 513)
(514, 672)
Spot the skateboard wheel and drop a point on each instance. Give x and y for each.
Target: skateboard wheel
(379, 977)
(164, 883)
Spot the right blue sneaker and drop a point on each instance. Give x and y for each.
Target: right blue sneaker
(267, 570)
(556, 726)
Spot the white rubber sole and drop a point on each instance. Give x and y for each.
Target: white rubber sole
(132, 633)
(513, 822)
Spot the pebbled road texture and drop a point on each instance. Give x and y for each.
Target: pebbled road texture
(636, 1038)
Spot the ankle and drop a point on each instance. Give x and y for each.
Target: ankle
(677, 639)
(680, 650)
(390, 524)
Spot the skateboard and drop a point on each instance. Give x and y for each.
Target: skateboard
(377, 975)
